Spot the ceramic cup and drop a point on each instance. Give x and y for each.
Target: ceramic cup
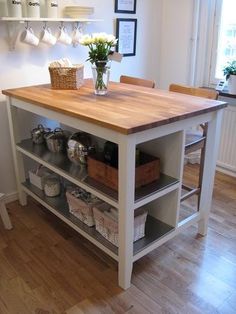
(63, 36)
(28, 37)
(76, 35)
(47, 37)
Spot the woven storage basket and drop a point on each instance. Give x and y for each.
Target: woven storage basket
(67, 77)
(81, 209)
(107, 225)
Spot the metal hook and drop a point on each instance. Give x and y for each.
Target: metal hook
(27, 24)
(45, 25)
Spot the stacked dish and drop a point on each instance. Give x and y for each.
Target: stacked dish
(78, 11)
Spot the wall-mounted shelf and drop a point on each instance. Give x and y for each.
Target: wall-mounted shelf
(47, 19)
(14, 24)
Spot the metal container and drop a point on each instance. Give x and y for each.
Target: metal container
(38, 134)
(79, 146)
(56, 141)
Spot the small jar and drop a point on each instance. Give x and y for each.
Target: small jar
(52, 186)
(33, 8)
(52, 8)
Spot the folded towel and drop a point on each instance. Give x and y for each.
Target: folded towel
(61, 63)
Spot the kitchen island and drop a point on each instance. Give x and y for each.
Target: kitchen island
(130, 116)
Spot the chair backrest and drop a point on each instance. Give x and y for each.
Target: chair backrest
(194, 91)
(137, 81)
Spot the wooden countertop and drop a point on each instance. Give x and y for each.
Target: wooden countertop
(126, 108)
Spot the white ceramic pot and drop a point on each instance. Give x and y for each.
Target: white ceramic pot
(14, 8)
(232, 84)
(52, 8)
(33, 8)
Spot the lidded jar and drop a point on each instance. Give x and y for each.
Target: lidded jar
(52, 186)
(33, 8)
(52, 8)
(14, 8)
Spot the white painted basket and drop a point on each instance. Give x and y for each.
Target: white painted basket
(81, 209)
(106, 223)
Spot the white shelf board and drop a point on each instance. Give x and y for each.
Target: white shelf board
(46, 19)
(60, 164)
(58, 206)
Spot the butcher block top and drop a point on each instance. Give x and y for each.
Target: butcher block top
(126, 108)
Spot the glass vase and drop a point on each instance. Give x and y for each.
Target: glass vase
(101, 75)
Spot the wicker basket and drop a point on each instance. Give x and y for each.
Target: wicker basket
(81, 209)
(67, 77)
(106, 223)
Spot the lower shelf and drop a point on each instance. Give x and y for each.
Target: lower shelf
(154, 230)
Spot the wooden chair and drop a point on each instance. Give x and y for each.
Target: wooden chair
(137, 81)
(4, 214)
(195, 140)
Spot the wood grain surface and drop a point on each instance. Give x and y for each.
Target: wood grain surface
(126, 108)
(47, 268)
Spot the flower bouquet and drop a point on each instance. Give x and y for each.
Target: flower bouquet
(99, 45)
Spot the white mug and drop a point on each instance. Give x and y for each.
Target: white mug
(76, 35)
(47, 37)
(63, 36)
(28, 37)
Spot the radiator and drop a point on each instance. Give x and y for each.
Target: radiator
(227, 151)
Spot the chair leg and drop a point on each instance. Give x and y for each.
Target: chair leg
(4, 215)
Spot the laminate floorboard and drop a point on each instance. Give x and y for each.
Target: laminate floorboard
(47, 268)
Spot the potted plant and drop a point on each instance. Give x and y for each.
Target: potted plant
(230, 75)
(99, 45)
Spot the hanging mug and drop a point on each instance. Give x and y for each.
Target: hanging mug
(28, 37)
(63, 36)
(76, 35)
(47, 37)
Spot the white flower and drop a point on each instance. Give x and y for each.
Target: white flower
(86, 40)
(100, 38)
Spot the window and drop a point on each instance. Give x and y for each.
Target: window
(225, 38)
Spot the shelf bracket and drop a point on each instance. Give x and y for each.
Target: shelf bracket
(13, 30)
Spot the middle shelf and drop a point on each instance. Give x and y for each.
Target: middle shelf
(60, 164)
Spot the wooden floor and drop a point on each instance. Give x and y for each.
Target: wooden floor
(45, 267)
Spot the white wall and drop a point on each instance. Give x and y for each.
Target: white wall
(27, 65)
(175, 44)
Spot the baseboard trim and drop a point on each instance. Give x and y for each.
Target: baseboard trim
(11, 197)
(226, 171)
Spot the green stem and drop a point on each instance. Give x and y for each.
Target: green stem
(99, 81)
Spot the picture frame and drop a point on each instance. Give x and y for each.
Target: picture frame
(125, 6)
(126, 32)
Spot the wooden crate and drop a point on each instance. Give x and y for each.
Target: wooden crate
(146, 172)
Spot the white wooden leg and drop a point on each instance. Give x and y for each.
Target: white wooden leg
(126, 212)
(17, 157)
(4, 214)
(212, 144)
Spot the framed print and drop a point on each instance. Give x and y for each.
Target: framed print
(126, 32)
(125, 6)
